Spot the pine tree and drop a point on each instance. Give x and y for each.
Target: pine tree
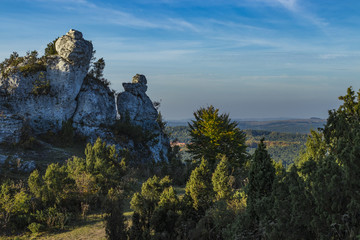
(199, 187)
(259, 188)
(166, 214)
(220, 180)
(212, 134)
(114, 219)
(292, 208)
(261, 175)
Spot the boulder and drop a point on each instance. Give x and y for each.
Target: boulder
(27, 166)
(73, 48)
(135, 106)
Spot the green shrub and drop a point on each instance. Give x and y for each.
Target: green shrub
(50, 48)
(41, 85)
(33, 64)
(14, 202)
(12, 61)
(35, 227)
(134, 132)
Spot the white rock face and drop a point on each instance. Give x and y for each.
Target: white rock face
(95, 107)
(10, 127)
(135, 106)
(65, 74)
(74, 48)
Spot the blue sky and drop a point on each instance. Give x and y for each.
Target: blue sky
(250, 58)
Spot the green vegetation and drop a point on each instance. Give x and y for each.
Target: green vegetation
(64, 192)
(32, 64)
(315, 198)
(284, 126)
(282, 147)
(96, 71)
(41, 85)
(27, 65)
(213, 134)
(51, 49)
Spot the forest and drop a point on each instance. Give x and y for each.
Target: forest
(224, 191)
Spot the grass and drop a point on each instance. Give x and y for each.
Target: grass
(90, 228)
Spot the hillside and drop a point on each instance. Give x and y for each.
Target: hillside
(286, 125)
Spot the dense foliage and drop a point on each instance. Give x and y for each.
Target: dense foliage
(213, 134)
(64, 192)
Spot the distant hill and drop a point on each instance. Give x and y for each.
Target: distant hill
(287, 125)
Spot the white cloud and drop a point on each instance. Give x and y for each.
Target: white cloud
(291, 5)
(332, 56)
(297, 8)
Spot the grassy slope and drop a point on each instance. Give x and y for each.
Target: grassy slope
(91, 228)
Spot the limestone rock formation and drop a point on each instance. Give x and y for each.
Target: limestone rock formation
(44, 92)
(63, 77)
(137, 108)
(135, 105)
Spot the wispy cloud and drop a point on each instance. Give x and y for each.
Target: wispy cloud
(297, 8)
(124, 17)
(333, 56)
(291, 5)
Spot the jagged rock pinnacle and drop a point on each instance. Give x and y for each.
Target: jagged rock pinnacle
(74, 48)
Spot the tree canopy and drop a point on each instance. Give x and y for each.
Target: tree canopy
(212, 134)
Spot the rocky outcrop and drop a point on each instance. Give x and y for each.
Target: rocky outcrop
(73, 48)
(137, 108)
(135, 105)
(57, 88)
(63, 77)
